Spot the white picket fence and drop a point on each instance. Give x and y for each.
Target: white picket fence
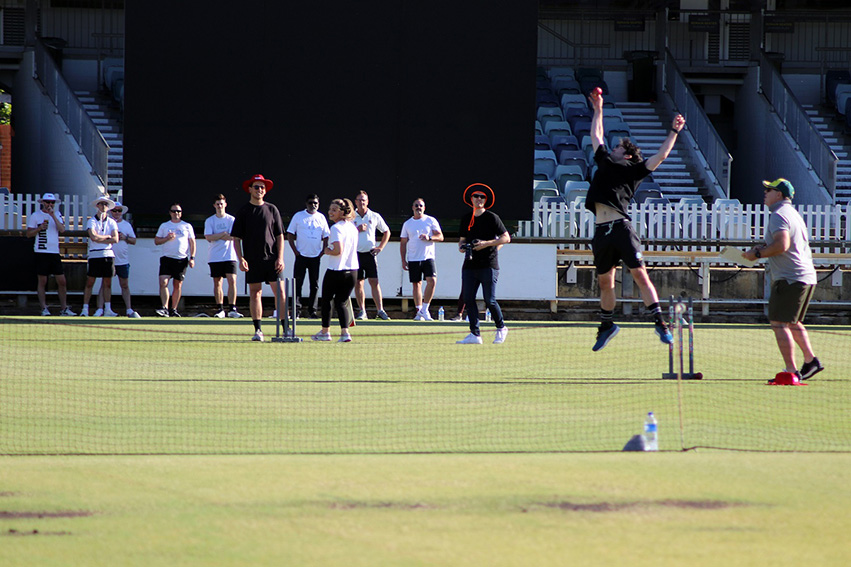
(690, 223)
(14, 210)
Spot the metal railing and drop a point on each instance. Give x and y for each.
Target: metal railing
(709, 143)
(799, 125)
(80, 125)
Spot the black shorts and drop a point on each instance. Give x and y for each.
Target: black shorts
(174, 267)
(48, 264)
(100, 267)
(260, 271)
(367, 266)
(615, 241)
(222, 269)
(418, 270)
(789, 301)
(122, 271)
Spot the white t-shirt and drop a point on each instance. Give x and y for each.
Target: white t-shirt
(121, 248)
(101, 228)
(220, 250)
(345, 233)
(179, 247)
(309, 230)
(47, 240)
(366, 239)
(419, 250)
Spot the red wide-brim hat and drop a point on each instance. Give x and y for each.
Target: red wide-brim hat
(269, 183)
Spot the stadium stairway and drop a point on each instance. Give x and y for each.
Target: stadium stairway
(101, 110)
(676, 175)
(825, 122)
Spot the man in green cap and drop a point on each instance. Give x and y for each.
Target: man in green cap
(793, 276)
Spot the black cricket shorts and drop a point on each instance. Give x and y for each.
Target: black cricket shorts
(614, 242)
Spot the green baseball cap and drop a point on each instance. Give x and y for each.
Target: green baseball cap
(781, 185)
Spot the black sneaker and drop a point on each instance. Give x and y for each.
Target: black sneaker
(173, 313)
(811, 368)
(604, 336)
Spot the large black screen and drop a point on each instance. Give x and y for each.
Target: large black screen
(401, 99)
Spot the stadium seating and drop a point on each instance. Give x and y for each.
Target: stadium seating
(647, 193)
(847, 128)
(560, 142)
(565, 173)
(575, 158)
(555, 127)
(546, 113)
(542, 142)
(832, 78)
(573, 100)
(545, 164)
(541, 191)
(843, 93)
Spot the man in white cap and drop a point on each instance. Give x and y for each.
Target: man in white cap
(126, 238)
(103, 233)
(46, 225)
(793, 276)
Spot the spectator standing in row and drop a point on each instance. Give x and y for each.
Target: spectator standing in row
(221, 258)
(307, 235)
(46, 225)
(126, 238)
(416, 245)
(177, 238)
(793, 276)
(485, 233)
(340, 277)
(368, 222)
(258, 239)
(103, 233)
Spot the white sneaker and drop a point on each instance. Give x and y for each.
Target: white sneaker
(345, 339)
(470, 339)
(258, 336)
(426, 316)
(98, 313)
(220, 314)
(361, 316)
(418, 316)
(274, 314)
(85, 311)
(383, 315)
(65, 312)
(133, 315)
(500, 336)
(110, 313)
(322, 337)
(234, 314)
(46, 312)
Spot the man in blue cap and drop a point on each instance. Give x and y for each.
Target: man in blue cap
(793, 276)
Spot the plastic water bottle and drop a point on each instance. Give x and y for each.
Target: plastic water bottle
(651, 434)
(440, 314)
(487, 314)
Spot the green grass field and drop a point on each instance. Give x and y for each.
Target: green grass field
(182, 443)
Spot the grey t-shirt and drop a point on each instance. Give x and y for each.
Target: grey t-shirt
(796, 264)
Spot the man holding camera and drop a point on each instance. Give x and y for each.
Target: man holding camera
(482, 234)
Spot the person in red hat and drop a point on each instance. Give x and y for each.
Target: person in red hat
(482, 235)
(258, 239)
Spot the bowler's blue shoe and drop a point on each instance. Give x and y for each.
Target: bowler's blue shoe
(664, 334)
(604, 336)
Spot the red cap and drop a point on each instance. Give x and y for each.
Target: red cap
(786, 379)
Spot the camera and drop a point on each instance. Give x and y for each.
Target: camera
(467, 247)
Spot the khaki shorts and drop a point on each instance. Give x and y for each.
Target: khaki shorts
(789, 301)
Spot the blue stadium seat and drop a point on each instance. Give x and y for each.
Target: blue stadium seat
(542, 142)
(832, 78)
(560, 142)
(576, 158)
